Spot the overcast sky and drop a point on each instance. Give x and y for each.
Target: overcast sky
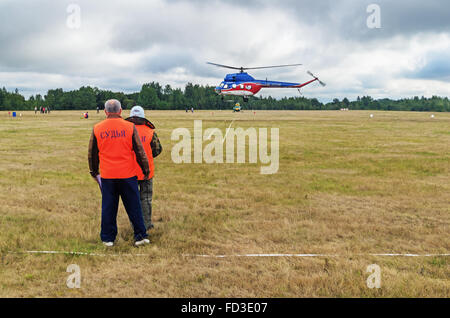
(120, 45)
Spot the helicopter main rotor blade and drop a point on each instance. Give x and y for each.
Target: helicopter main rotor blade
(225, 66)
(275, 66)
(242, 69)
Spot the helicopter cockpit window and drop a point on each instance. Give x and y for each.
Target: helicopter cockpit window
(225, 86)
(222, 85)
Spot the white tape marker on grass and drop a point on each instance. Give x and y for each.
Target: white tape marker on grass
(78, 253)
(226, 133)
(237, 255)
(320, 255)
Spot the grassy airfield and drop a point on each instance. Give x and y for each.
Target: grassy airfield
(347, 185)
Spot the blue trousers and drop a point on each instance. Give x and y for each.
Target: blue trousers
(128, 190)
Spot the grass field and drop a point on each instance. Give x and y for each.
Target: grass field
(347, 185)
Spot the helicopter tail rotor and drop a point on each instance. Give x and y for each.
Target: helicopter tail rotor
(320, 82)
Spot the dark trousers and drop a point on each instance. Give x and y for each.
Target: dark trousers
(128, 190)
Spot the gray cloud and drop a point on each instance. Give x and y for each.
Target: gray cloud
(436, 67)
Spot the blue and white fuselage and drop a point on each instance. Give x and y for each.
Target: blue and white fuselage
(242, 84)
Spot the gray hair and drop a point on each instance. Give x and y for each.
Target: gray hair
(113, 106)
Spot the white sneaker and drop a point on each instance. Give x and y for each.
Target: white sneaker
(108, 244)
(143, 242)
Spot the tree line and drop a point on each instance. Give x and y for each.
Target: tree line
(154, 96)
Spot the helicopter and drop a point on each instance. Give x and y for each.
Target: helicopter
(243, 84)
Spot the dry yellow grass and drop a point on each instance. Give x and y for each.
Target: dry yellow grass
(347, 185)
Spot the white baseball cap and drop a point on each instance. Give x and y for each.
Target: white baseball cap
(137, 111)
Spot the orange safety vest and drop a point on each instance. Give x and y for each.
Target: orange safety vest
(115, 147)
(146, 135)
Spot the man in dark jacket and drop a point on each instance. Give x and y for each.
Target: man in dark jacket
(153, 148)
(115, 150)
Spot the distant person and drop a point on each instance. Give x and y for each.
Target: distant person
(114, 148)
(98, 109)
(35, 110)
(192, 109)
(48, 110)
(153, 148)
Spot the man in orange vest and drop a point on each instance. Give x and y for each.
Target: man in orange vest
(153, 148)
(114, 148)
